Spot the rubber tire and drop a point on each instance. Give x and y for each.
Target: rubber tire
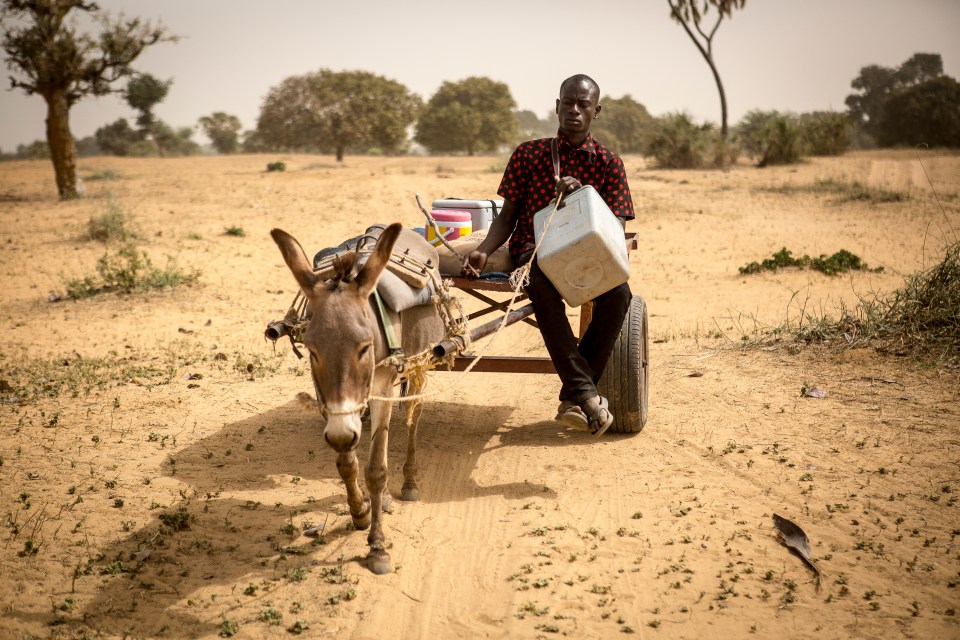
(624, 382)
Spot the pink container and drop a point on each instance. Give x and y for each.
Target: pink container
(452, 223)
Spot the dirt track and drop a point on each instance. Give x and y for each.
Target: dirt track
(524, 529)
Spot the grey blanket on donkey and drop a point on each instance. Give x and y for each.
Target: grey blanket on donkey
(397, 294)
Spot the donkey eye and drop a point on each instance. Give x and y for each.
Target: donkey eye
(363, 351)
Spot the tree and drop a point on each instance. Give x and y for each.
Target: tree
(253, 142)
(530, 127)
(624, 125)
(920, 68)
(223, 130)
(335, 111)
(875, 84)
(172, 141)
(143, 93)
(475, 114)
(117, 138)
(927, 113)
(36, 150)
(689, 13)
(50, 58)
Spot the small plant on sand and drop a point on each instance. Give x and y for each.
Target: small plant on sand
(112, 225)
(840, 262)
(229, 628)
(235, 231)
(179, 520)
(276, 166)
(129, 270)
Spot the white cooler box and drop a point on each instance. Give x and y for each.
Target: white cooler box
(482, 212)
(583, 252)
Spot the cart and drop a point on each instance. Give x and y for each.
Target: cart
(625, 380)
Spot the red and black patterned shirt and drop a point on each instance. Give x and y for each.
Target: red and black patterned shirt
(528, 181)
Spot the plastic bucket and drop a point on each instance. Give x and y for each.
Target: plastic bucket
(482, 212)
(452, 224)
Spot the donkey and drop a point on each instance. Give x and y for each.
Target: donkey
(348, 349)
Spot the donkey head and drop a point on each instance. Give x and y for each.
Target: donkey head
(343, 334)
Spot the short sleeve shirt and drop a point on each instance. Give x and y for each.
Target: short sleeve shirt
(529, 184)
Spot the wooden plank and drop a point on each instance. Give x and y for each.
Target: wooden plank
(504, 364)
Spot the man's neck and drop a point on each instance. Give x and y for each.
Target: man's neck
(576, 139)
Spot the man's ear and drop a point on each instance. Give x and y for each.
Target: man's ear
(557, 109)
(596, 114)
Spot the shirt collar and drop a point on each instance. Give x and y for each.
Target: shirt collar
(589, 143)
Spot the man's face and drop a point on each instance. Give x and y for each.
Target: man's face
(577, 107)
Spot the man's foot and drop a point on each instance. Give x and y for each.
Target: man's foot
(599, 418)
(571, 415)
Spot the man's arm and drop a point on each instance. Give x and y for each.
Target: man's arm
(499, 232)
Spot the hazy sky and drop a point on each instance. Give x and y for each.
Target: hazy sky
(797, 55)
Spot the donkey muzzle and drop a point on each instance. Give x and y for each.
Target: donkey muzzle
(342, 432)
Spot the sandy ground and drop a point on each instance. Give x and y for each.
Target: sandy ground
(156, 472)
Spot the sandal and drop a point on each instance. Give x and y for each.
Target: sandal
(571, 415)
(601, 418)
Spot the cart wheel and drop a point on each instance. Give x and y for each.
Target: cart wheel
(624, 381)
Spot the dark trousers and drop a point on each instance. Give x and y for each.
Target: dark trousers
(578, 365)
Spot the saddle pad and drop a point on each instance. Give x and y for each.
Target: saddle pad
(406, 281)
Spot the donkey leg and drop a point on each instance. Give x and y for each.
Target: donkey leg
(349, 469)
(411, 490)
(378, 560)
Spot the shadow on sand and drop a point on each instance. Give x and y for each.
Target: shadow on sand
(227, 528)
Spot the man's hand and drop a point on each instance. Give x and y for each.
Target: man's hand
(474, 264)
(567, 184)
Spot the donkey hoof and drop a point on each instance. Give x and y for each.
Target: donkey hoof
(378, 561)
(410, 494)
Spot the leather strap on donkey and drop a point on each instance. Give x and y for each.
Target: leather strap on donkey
(396, 356)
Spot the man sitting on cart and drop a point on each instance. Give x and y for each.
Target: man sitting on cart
(529, 185)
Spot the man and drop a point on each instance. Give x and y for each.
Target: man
(529, 185)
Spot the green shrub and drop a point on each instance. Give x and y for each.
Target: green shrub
(678, 143)
(840, 262)
(237, 232)
(825, 133)
(277, 166)
(128, 269)
(772, 137)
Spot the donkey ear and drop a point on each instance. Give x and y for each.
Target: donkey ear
(296, 259)
(370, 274)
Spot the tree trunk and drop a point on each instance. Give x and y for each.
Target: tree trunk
(723, 98)
(63, 153)
(340, 153)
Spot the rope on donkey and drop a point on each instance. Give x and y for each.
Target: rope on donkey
(423, 362)
(415, 367)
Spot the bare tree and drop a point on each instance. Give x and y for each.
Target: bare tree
(690, 13)
(49, 57)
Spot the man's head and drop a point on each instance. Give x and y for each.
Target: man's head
(578, 105)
